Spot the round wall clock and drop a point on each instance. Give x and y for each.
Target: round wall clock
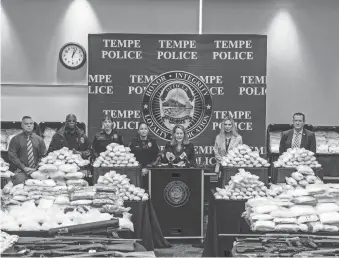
(72, 55)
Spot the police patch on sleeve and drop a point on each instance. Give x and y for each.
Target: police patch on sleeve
(176, 193)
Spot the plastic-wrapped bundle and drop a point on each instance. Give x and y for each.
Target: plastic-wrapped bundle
(48, 134)
(4, 136)
(62, 200)
(332, 134)
(4, 169)
(287, 227)
(114, 208)
(77, 182)
(81, 195)
(104, 188)
(7, 241)
(39, 175)
(74, 176)
(106, 195)
(101, 202)
(263, 226)
(275, 141)
(81, 202)
(4, 139)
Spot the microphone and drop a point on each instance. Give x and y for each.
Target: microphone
(170, 157)
(183, 156)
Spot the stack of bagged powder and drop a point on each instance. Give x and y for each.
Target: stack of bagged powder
(116, 155)
(302, 179)
(310, 209)
(243, 156)
(297, 157)
(58, 173)
(47, 215)
(242, 186)
(106, 202)
(34, 190)
(327, 141)
(119, 185)
(4, 169)
(62, 166)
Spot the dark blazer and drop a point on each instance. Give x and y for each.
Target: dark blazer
(307, 141)
(187, 148)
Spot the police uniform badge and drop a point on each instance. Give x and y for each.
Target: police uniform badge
(82, 140)
(115, 136)
(149, 144)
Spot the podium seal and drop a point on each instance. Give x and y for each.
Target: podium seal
(176, 193)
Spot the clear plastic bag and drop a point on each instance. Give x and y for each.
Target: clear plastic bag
(287, 227)
(263, 226)
(81, 195)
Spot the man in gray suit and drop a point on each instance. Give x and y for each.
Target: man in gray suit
(298, 137)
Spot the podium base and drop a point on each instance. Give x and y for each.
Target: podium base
(177, 195)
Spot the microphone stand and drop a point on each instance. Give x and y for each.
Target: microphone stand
(170, 162)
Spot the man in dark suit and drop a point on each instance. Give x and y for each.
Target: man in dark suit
(25, 151)
(298, 137)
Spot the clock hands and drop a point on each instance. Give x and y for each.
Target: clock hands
(74, 52)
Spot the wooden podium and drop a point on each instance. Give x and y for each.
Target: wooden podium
(177, 195)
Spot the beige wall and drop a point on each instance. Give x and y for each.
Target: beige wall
(33, 32)
(303, 56)
(303, 40)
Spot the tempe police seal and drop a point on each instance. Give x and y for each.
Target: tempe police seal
(176, 193)
(177, 97)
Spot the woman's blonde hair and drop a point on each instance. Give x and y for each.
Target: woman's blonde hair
(184, 141)
(221, 137)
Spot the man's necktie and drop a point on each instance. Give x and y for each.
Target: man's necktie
(31, 162)
(296, 141)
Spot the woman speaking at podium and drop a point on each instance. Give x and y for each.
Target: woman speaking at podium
(226, 140)
(179, 151)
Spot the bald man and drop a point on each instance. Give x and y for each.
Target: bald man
(72, 137)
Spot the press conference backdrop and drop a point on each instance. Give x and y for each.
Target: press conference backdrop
(193, 80)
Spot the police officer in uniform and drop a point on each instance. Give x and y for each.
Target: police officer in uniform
(105, 137)
(72, 137)
(145, 150)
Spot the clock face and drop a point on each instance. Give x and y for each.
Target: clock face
(72, 56)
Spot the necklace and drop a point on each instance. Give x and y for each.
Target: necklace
(179, 148)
